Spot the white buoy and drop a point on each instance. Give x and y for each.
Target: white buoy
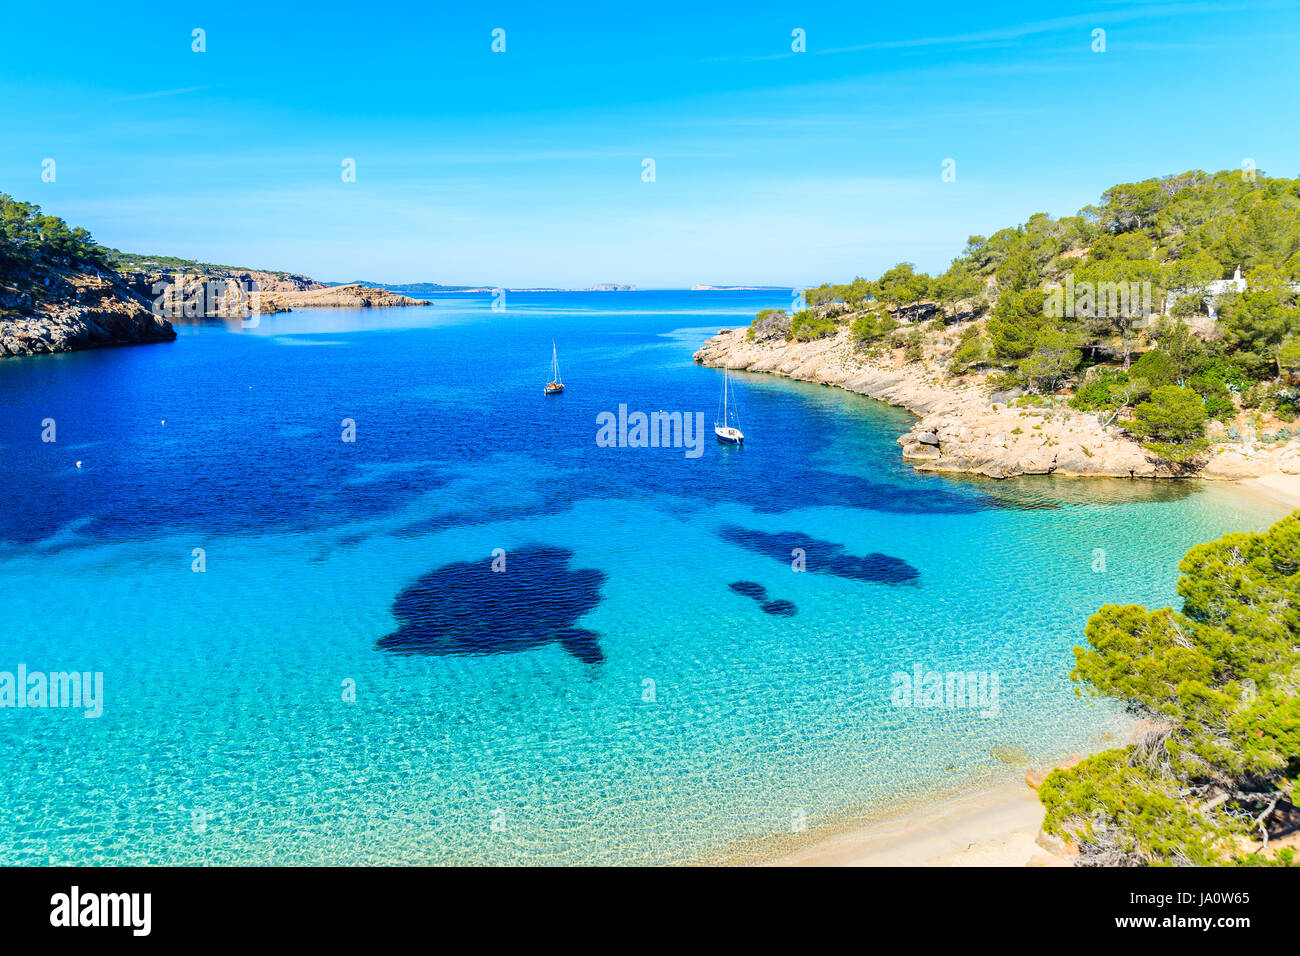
(164, 421)
(78, 464)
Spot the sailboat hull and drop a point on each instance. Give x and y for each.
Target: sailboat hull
(729, 436)
(554, 389)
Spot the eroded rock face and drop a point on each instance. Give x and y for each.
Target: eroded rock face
(99, 310)
(146, 283)
(916, 451)
(337, 297)
(226, 293)
(962, 429)
(1233, 465)
(1002, 442)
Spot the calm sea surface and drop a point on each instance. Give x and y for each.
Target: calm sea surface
(348, 680)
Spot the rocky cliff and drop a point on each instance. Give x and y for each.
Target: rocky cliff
(227, 293)
(93, 308)
(963, 430)
(86, 307)
(335, 297)
(147, 282)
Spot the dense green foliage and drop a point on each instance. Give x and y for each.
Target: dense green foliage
(808, 325)
(971, 350)
(914, 346)
(1054, 355)
(1172, 421)
(139, 262)
(1219, 683)
(873, 326)
(35, 248)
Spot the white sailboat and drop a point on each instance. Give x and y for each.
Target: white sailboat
(555, 386)
(724, 427)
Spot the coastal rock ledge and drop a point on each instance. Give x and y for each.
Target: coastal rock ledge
(100, 310)
(964, 431)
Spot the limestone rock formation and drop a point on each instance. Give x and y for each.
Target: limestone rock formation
(963, 429)
(336, 297)
(96, 309)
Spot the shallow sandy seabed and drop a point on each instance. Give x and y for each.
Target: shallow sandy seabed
(991, 827)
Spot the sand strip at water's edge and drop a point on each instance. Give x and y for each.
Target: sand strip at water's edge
(1277, 486)
(993, 827)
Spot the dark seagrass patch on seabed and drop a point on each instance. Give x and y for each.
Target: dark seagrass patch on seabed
(823, 556)
(758, 593)
(467, 608)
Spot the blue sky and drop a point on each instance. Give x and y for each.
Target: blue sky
(524, 168)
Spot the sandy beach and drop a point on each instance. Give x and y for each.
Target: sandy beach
(1282, 488)
(995, 827)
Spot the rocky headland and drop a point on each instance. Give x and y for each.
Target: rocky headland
(966, 429)
(225, 293)
(336, 297)
(60, 291)
(86, 306)
(91, 308)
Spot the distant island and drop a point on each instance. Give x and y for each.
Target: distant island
(414, 288)
(434, 288)
(738, 288)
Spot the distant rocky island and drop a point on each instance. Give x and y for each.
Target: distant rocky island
(737, 288)
(435, 288)
(414, 288)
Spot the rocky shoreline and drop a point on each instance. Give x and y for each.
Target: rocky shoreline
(218, 294)
(97, 308)
(101, 310)
(965, 430)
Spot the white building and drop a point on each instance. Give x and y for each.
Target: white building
(1214, 291)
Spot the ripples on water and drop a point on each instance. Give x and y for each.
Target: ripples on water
(648, 681)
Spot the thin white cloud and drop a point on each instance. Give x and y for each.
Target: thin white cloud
(157, 93)
(1131, 10)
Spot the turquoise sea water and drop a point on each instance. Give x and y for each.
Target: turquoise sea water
(607, 697)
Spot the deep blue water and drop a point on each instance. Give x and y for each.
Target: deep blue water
(350, 679)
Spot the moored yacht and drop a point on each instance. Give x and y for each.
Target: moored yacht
(554, 386)
(726, 427)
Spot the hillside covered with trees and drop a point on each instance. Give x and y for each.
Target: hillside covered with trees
(59, 291)
(37, 251)
(1128, 308)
